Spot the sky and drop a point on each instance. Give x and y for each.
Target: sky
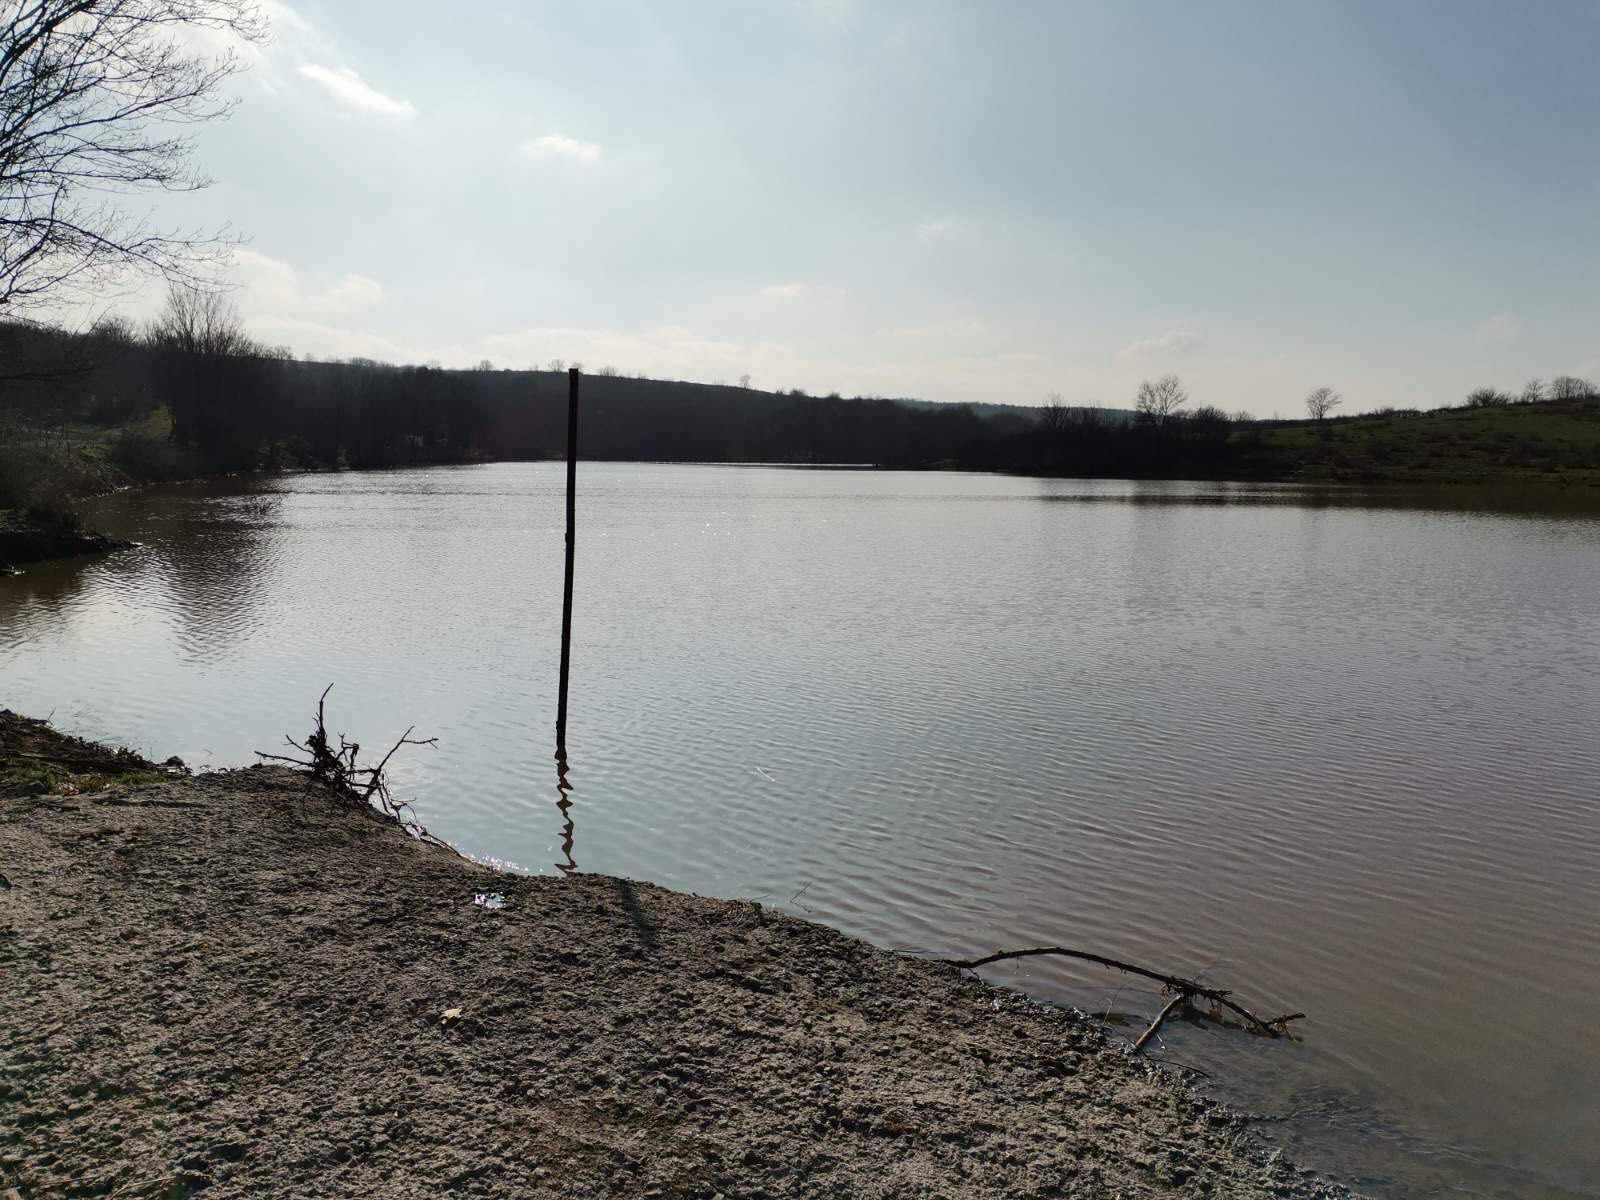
(958, 201)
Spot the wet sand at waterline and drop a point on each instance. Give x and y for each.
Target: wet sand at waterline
(240, 983)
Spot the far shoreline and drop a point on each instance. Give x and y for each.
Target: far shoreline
(27, 540)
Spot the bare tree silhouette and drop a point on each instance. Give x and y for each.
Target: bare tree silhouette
(1053, 416)
(200, 322)
(94, 98)
(1159, 403)
(201, 334)
(1321, 402)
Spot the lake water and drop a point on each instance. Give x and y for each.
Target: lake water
(1338, 753)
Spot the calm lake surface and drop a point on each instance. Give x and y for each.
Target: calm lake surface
(1339, 756)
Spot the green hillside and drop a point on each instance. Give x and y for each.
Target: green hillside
(1551, 439)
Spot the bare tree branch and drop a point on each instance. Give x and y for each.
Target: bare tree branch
(94, 96)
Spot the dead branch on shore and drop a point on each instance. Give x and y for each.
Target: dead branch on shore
(341, 771)
(1183, 990)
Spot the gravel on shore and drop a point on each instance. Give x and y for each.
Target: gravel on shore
(238, 984)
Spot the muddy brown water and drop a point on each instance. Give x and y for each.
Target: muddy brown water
(1335, 750)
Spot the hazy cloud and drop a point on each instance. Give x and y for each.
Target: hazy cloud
(791, 291)
(941, 330)
(271, 286)
(1499, 329)
(293, 39)
(559, 146)
(1170, 344)
(680, 352)
(664, 352)
(939, 229)
(836, 14)
(350, 89)
(285, 19)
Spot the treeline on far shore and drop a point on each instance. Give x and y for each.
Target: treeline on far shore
(192, 394)
(234, 405)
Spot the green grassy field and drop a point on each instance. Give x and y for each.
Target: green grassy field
(1556, 440)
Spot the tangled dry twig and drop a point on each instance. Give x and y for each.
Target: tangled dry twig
(341, 770)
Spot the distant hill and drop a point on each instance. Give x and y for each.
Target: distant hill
(671, 390)
(77, 409)
(1026, 411)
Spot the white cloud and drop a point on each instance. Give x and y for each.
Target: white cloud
(1500, 329)
(272, 288)
(293, 39)
(1170, 344)
(558, 145)
(349, 88)
(939, 229)
(793, 291)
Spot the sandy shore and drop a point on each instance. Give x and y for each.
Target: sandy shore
(235, 983)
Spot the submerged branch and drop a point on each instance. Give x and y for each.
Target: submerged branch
(1185, 989)
(1173, 1005)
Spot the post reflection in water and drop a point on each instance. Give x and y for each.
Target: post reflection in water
(564, 803)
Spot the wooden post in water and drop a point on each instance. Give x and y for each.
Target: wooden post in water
(566, 591)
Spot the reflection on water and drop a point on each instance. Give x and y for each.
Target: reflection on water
(564, 806)
(1334, 749)
(1532, 499)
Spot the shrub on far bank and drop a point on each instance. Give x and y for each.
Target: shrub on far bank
(48, 516)
(294, 453)
(43, 483)
(32, 476)
(1570, 387)
(150, 458)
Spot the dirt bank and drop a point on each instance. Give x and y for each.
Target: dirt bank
(234, 983)
(23, 541)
